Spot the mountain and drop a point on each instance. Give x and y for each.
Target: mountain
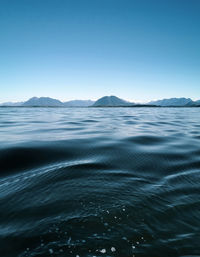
(79, 103)
(197, 102)
(194, 104)
(43, 101)
(173, 102)
(111, 101)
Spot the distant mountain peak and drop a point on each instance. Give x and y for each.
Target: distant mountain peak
(111, 101)
(42, 101)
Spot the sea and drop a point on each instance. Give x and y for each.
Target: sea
(90, 182)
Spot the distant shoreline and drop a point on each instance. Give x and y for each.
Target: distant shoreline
(134, 106)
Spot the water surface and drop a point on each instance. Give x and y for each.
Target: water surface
(99, 182)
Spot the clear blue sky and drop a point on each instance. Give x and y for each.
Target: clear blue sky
(135, 49)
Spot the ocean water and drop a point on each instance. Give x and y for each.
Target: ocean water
(88, 182)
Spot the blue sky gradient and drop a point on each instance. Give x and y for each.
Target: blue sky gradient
(138, 50)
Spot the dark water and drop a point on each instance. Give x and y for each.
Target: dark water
(99, 182)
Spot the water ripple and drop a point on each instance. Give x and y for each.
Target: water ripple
(99, 182)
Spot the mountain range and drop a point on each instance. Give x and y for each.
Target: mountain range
(106, 101)
(50, 102)
(173, 102)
